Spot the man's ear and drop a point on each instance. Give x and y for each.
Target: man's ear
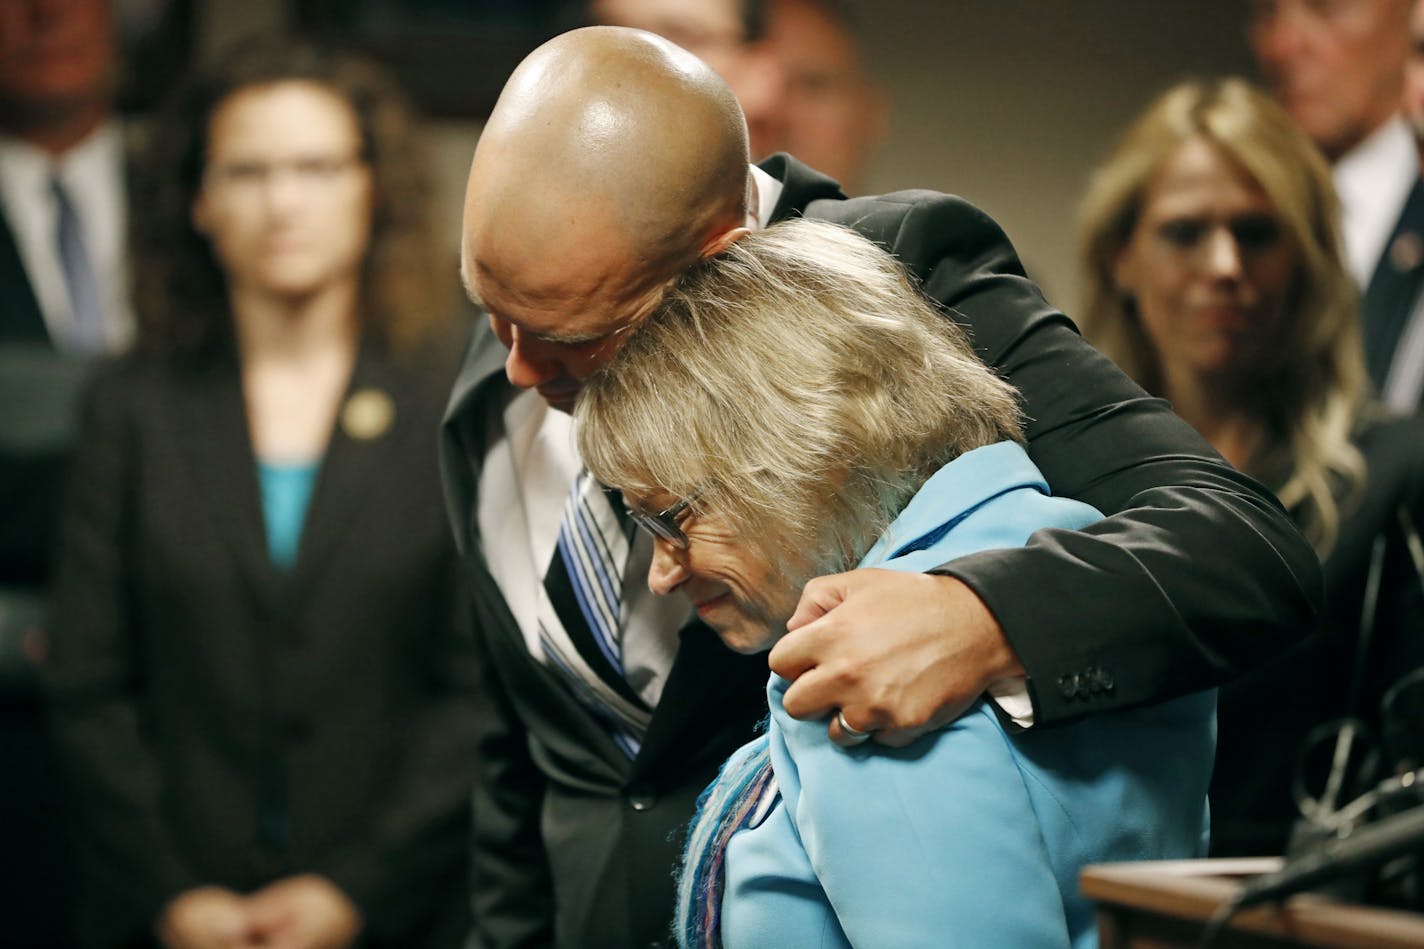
(721, 241)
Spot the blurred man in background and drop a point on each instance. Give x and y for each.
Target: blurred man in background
(833, 116)
(1338, 68)
(1406, 381)
(794, 65)
(727, 35)
(63, 301)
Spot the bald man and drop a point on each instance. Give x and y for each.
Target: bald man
(611, 162)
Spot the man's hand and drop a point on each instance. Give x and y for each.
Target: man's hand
(206, 917)
(900, 654)
(304, 912)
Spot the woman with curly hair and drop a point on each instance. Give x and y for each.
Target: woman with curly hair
(260, 678)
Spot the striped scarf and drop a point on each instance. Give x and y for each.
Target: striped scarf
(725, 807)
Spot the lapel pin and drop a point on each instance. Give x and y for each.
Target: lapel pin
(1407, 251)
(367, 414)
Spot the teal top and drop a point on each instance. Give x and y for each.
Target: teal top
(286, 492)
(973, 835)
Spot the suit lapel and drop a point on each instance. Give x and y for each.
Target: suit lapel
(361, 456)
(462, 432)
(800, 185)
(20, 316)
(1389, 299)
(212, 422)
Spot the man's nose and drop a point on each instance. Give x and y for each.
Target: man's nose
(526, 366)
(668, 571)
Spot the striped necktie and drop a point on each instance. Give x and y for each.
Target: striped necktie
(86, 311)
(580, 617)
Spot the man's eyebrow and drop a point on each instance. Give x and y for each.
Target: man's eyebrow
(569, 339)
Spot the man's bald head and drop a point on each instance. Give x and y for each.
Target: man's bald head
(622, 123)
(612, 161)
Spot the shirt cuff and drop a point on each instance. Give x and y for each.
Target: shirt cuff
(1011, 695)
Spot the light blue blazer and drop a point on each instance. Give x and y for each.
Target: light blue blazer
(971, 836)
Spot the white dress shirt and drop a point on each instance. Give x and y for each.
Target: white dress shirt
(1374, 179)
(92, 173)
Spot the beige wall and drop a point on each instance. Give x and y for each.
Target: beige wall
(1006, 102)
(1010, 102)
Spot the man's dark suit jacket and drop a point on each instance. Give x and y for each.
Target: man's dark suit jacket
(1203, 577)
(39, 392)
(218, 720)
(29, 475)
(1395, 287)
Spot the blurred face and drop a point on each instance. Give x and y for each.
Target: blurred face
(286, 195)
(831, 117)
(1335, 65)
(714, 32)
(734, 589)
(55, 56)
(1414, 75)
(1210, 267)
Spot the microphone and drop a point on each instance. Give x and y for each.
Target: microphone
(1371, 844)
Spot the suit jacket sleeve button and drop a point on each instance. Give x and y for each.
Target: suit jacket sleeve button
(1070, 685)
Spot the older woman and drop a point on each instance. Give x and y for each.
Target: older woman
(260, 677)
(794, 408)
(1214, 278)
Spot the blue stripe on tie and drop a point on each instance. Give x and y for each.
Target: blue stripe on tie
(593, 574)
(596, 618)
(598, 548)
(599, 557)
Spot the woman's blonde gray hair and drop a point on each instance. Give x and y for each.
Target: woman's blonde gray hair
(1310, 398)
(799, 385)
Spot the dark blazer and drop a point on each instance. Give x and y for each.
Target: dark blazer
(1198, 580)
(21, 320)
(220, 721)
(1266, 716)
(1394, 287)
(31, 468)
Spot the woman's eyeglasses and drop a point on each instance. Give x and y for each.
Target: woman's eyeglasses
(664, 524)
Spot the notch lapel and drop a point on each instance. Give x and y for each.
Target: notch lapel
(360, 459)
(212, 420)
(800, 183)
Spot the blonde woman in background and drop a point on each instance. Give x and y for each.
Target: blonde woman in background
(1213, 275)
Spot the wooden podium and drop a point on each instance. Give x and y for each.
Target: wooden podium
(1165, 905)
